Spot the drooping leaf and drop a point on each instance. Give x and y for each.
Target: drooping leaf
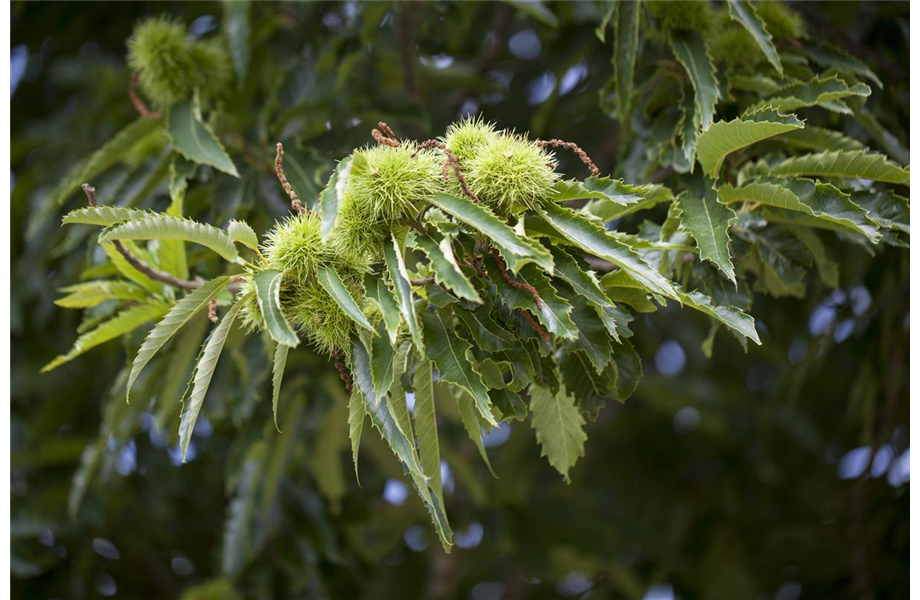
(690, 50)
(383, 362)
(559, 427)
(731, 317)
(444, 266)
(120, 324)
(488, 335)
(595, 240)
(840, 61)
(426, 428)
(885, 208)
(333, 284)
(516, 250)
(201, 379)
(818, 138)
(268, 294)
(235, 25)
(192, 139)
(242, 233)
(91, 293)
(745, 13)
(448, 351)
(165, 227)
(819, 91)
(582, 280)
(396, 267)
(625, 50)
(820, 200)
(708, 220)
(278, 364)
(849, 164)
(470, 418)
(330, 200)
(178, 316)
(593, 337)
(377, 290)
(723, 138)
(104, 215)
(356, 414)
(612, 198)
(552, 311)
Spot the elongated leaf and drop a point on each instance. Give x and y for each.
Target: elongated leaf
(383, 362)
(517, 250)
(622, 288)
(332, 283)
(855, 164)
(281, 354)
(840, 61)
(180, 314)
(242, 233)
(115, 150)
(820, 200)
(192, 139)
(268, 294)
(818, 91)
(105, 215)
(127, 269)
(615, 199)
(396, 267)
(625, 50)
(690, 50)
(426, 428)
(445, 268)
(448, 351)
(172, 252)
(377, 290)
(469, 416)
(201, 379)
(708, 220)
(559, 427)
(236, 29)
(819, 138)
(885, 208)
(723, 138)
(330, 200)
(745, 13)
(91, 293)
(553, 311)
(593, 337)
(594, 240)
(165, 227)
(731, 317)
(356, 414)
(488, 335)
(120, 324)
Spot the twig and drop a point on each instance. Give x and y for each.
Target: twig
(514, 283)
(296, 205)
(451, 161)
(535, 325)
(383, 140)
(342, 369)
(555, 143)
(386, 130)
(138, 103)
(137, 263)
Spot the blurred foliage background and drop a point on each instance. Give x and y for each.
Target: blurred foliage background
(777, 473)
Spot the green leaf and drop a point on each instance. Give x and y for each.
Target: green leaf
(488, 335)
(396, 267)
(426, 428)
(614, 199)
(201, 379)
(595, 240)
(886, 208)
(593, 337)
(708, 220)
(331, 198)
(332, 283)
(690, 50)
(192, 139)
(268, 294)
(819, 138)
(236, 30)
(178, 316)
(582, 279)
(840, 61)
(128, 270)
(105, 215)
(628, 368)
(377, 290)
(356, 414)
(745, 13)
(553, 311)
(444, 266)
(165, 227)
(136, 134)
(820, 200)
(620, 287)
(241, 233)
(537, 10)
(853, 164)
(516, 250)
(383, 362)
(120, 324)
(91, 293)
(470, 418)
(828, 269)
(448, 351)
(817, 92)
(625, 50)
(733, 318)
(559, 427)
(723, 138)
(281, 354)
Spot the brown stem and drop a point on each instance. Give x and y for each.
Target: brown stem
(386, 130)
(514, 283)
(138, 103)
(342, 369)
(296, 205)
(453, 162)
(535, 325)
(555, 143)
(383, 140)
